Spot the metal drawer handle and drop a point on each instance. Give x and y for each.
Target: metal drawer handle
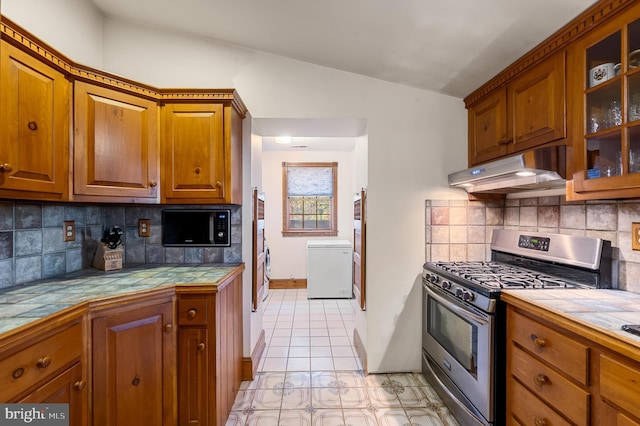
(191, 313)
(44, 362)
(200, 347)
(539, 421)
(79, 385)
(541, 379)
(539, 342)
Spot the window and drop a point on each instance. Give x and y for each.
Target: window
(309, 203)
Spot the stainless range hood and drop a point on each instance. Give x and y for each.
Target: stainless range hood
(537, 169)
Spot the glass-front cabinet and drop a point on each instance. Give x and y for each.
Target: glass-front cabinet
(604, 88)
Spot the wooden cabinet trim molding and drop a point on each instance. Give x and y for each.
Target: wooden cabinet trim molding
(597, 14)
(21, 38)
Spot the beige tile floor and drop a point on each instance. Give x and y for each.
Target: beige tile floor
(311, 376)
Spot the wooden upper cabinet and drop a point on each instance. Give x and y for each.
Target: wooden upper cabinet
(201, 154)
(34, 123)
(537, 105)
(488, 128)
(528, 112)
(605, 110)
(115, 143)
(116, 153)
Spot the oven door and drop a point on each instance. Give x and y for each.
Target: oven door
(457, 341)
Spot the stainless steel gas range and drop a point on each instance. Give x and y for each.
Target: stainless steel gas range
(464, 321)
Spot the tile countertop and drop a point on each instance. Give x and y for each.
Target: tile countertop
(602, 310)
(22, 304)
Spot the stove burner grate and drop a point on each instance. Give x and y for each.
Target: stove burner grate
(497, 275)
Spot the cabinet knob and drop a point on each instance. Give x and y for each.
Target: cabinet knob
(135, 381)
(168, 327)
(5, 168)
(539, 421)
(200, 347)
(538, 341)
(218, 184)
(33, 125)
(153, 184)
(541, 379)
(197, 170)
(44, 362)
(79, 385)
(17, 373)
(191, 313)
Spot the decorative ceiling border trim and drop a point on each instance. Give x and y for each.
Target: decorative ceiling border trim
(588, 20)
(22, 39)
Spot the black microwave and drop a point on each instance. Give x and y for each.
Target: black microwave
(199, 228)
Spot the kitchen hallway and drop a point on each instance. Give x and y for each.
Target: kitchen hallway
(310, 374)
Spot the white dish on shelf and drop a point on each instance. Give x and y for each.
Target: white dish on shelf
(634, 58)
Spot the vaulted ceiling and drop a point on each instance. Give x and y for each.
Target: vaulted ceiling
(446, 46)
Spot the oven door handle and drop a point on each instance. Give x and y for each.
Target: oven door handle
(451, 304)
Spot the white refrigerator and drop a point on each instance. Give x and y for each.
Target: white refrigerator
(329, 269)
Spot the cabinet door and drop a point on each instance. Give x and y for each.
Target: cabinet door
(193, 377)
(605, 109)
(537, 105)
(488, 128)
(116, 149)
(34, 128)
(66, 388)
(194, 153)
(134, 367)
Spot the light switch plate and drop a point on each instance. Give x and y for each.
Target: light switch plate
(635, 236)
(69, 230)
(144, 227)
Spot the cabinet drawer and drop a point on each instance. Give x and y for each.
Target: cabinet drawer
(550, 386)
(192, 311)
(620, 384)
(529, 410)
(567, 355)
(29, 366)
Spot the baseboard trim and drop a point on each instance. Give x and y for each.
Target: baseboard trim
(285, 284)
(361, 352)
(250, 364)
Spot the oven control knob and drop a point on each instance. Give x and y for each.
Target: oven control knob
(459, 292)
(468, 296)
(446, 285)
(434, 278)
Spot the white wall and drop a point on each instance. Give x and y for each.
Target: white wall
(72, 27)
(415, 138)
(288, 254)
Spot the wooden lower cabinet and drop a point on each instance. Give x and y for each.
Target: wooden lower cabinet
(564, 373)
(134, 355)
(141, 359)
(65, 388)
(46, 365)
(209, 352)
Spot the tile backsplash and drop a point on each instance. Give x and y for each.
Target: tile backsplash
(461, 229)
(32, 243)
